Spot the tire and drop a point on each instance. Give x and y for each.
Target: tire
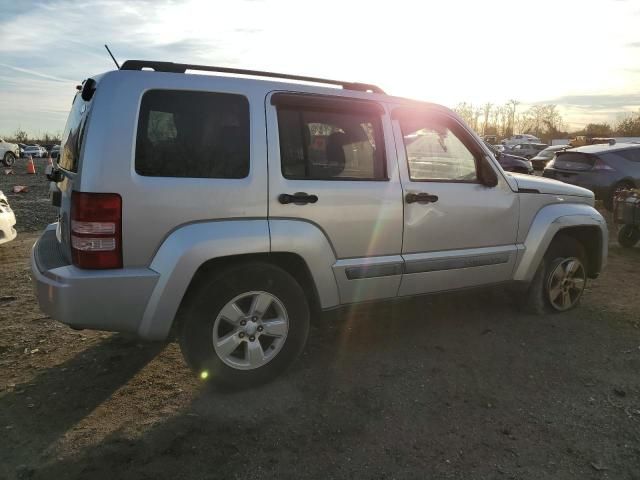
(628, 236)
(617, 188)
(9, 159)
(546, 292)
(205, 319)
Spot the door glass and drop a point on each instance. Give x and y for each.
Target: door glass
(330, 145)
(434, 152)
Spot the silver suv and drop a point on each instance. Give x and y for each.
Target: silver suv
(226, 209)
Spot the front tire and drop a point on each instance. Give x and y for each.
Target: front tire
(244, 325)
(628, 236)
(560, 280)
(9, 159)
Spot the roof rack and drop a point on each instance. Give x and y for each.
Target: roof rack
(183, 67)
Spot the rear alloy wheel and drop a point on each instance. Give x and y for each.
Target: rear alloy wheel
(628, 236)
(9, 159)
(243, 325)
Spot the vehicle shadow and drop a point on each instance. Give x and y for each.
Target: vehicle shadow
(329, 399)
(59, 397)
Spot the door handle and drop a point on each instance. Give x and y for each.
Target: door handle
(420, 198)
(299, 198)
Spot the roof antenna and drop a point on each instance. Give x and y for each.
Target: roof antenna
(112, 57)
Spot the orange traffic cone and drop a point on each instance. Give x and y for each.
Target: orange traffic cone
(31, 168)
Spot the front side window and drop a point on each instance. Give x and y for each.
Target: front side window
(330, 144)
(193, 134)
(435, 152)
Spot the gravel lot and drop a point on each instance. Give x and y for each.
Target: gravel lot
(450, 386)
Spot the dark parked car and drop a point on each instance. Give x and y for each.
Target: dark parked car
(544, 156)
(604, 169)
(511, 163)
(527, 150)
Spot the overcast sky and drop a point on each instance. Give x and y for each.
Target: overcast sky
(584, 56)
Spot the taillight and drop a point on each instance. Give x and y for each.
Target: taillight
(96, 230)
(600, 165)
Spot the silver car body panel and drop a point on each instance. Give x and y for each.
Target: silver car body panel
(360, 241)
(186, 250)
(547, 222)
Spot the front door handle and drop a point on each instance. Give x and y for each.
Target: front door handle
(299, 198)
(420, 198)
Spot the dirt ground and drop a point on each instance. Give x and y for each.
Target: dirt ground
(449, 386)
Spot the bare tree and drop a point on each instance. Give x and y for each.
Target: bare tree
(486, 110)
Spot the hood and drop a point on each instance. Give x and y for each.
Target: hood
(549, 186)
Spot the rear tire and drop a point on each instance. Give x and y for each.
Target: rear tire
(244, 325)
(9, 159)
(628, 236)
(560, 280)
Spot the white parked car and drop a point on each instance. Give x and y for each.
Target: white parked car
(7, 220)
(520, 138)
(36, 151)
(8, 152)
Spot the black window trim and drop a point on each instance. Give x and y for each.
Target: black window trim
(189, 90)
(328, 103)
(457, 129)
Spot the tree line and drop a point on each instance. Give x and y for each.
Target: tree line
(46, 138)
(544, 121)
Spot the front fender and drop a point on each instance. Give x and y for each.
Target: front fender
(180, 256)
(550, 220)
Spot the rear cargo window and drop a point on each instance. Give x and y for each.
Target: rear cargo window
(73, 135)
(574, 161)
(193, 134)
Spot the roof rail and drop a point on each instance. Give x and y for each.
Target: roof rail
(183, 67)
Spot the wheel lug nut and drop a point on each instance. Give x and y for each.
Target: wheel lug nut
(243, 322)
(241, 335)
(252, 338)
(254, 319)
(260, 328)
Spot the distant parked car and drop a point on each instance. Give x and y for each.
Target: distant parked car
(582, 140)
(545, 156)
(511, 163)
(22, 146)
(35, 151)
(604, 169)
(55, 151)
(8, 152)
(521, 138)
(7, 220)
(499, 147)
(527, 150)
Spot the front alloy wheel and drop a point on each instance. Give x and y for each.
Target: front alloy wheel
(566, 283)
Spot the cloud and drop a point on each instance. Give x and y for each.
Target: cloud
(36, 74)
(633, 44)
(598, 102)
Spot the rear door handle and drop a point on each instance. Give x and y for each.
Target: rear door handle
(420, 198)
(299, 198)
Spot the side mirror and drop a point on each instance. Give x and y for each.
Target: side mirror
(487, 175)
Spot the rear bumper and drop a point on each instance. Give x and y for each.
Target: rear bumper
(112, 300)
(7, 222)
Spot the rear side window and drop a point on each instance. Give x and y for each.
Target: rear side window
(73, 135)
(318, 144)
(193, 134)
(633, 154)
